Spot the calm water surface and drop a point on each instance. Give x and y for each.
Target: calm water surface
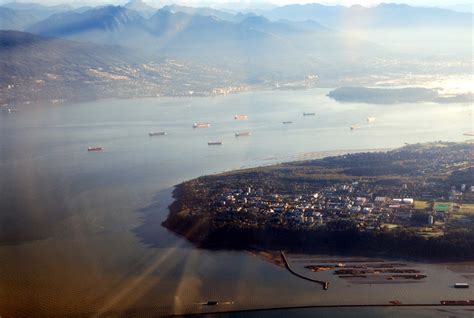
(80, 232)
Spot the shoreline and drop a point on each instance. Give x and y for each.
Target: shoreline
(316, 307)
(183, 96)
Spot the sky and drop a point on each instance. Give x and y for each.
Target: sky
(251, 3)
(348, 2)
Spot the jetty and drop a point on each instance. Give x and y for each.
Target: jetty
(324, 284)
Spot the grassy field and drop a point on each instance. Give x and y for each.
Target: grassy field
(467, 209)
(389, 226)
(443, 206)
(421, 205)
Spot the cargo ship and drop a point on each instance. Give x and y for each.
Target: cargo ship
(355, 127)
(212, 303)
(370, 119)
(201, 125)
(242, 134)
(214, 143)
(95, 148)
(240, 117)
(287, 122)
(469, 302)
(309, 114)
(158, 133)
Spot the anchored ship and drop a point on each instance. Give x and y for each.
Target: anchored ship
(287, 122)
(242, 134)
(240, 117)
(95, 148)
(201, 125)
(158, 133)
(214, 143)
(355, 127)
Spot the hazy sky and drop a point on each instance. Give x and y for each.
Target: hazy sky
(250, 3)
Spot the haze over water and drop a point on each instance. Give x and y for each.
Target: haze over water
(90, 222)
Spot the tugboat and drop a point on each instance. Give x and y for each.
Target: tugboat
(95, 148)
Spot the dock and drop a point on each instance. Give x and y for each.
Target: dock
(324, 284)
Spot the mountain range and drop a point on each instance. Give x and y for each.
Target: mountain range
(337, 17)
(110, 18)
(385, 15)
(282, 44)
(176, 33)
(169, 19)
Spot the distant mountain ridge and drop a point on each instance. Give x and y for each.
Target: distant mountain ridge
(168, 31)
(19, 16)
(141, 7)
(387, 15)
(165, 20)
(14, 20)
(108, 18)
(205, 11)
(182, 30)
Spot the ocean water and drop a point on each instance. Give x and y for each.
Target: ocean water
(356, 312)
(80, 231)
